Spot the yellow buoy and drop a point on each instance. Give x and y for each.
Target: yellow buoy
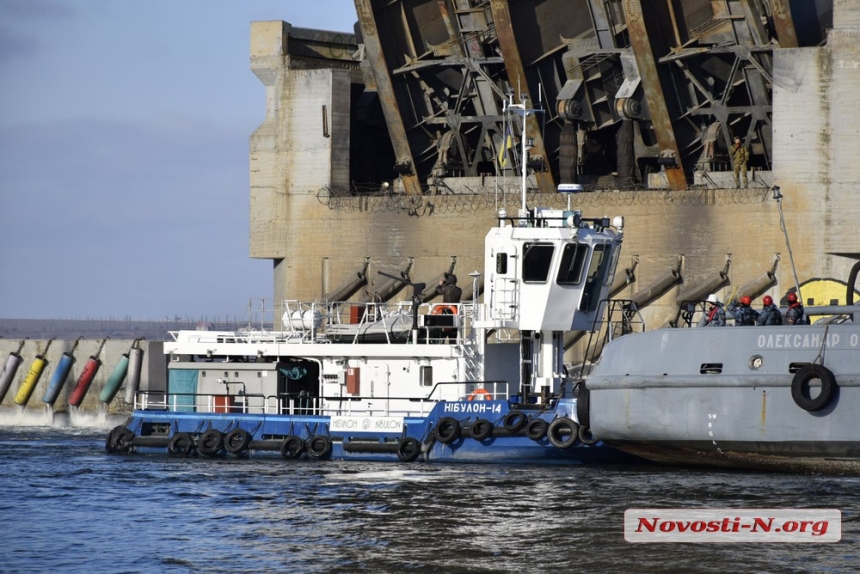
(26, 388)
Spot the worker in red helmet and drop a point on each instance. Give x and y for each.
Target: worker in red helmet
(769, 314)
(744, 314)
(794, 315)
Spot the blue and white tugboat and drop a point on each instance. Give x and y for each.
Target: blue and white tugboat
(477, 382)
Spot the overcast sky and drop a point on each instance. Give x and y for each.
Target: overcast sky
(124, 129)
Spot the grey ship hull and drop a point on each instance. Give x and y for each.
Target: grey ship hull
(724, 397)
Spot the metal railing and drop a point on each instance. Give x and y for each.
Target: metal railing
(345, 322)
(292, 404)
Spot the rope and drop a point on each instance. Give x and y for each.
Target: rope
(819, 359)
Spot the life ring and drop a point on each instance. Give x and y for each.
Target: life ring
(536, 429)
(408, 449)
(237, 441)
(292, 447)
(514, 421)
(562, 432)
(447, 430)
(800, 390)
(443, 310)
(181, 444)
(585, 436)
(480, 392)
(481, 429)
(211, 442)
(319, 446)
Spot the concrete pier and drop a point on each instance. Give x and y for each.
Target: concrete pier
(317, 235)
(91, 412)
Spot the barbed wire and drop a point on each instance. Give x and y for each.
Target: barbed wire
(466, 199)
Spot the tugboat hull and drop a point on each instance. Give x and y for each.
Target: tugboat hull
(448, 434)
(783, 398)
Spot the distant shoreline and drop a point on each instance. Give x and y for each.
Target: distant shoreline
(151, 330)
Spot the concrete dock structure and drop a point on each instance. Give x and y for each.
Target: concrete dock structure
(319, 220)
(91, 412)
(381, 151)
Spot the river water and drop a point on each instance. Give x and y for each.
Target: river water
(66, 506)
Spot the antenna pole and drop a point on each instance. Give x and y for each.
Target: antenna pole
(778, 197)
(524, 155)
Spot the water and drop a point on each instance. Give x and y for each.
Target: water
(66, 506)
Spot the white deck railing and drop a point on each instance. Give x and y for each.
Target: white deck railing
(258, 404)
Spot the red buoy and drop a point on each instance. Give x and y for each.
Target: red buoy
(86, 378)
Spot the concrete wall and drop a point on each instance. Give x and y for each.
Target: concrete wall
(302, 145)
(816, 145)
(700, 226)
(320, 244)
(91, 411)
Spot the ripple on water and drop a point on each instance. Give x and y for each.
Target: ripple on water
(153, 513)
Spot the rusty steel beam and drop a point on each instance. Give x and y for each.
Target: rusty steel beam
(449, 25)
(646, 60)
(517, 79)
(783, 21)
(753, 19)
(396, 130)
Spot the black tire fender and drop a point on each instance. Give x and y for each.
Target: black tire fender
(447, 430)
(124, 440)
(111, 439)
(181, 444)
(800, 390)
(481, 429)
(563, 432)
(211, 442)
(583, 405)
(514, 421)
(319, 446)
(536, 429)
(237, 441)
(408, 449)
(292, 447)
(585, 436)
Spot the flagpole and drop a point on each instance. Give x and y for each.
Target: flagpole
(504, 141)
(524, 155)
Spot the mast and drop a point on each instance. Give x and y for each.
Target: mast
(523, 111)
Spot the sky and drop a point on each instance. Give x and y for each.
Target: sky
(124, 128)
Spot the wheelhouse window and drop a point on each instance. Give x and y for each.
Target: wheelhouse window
(613, 265)
(573, 259)
(537, 258)
(597, 270)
